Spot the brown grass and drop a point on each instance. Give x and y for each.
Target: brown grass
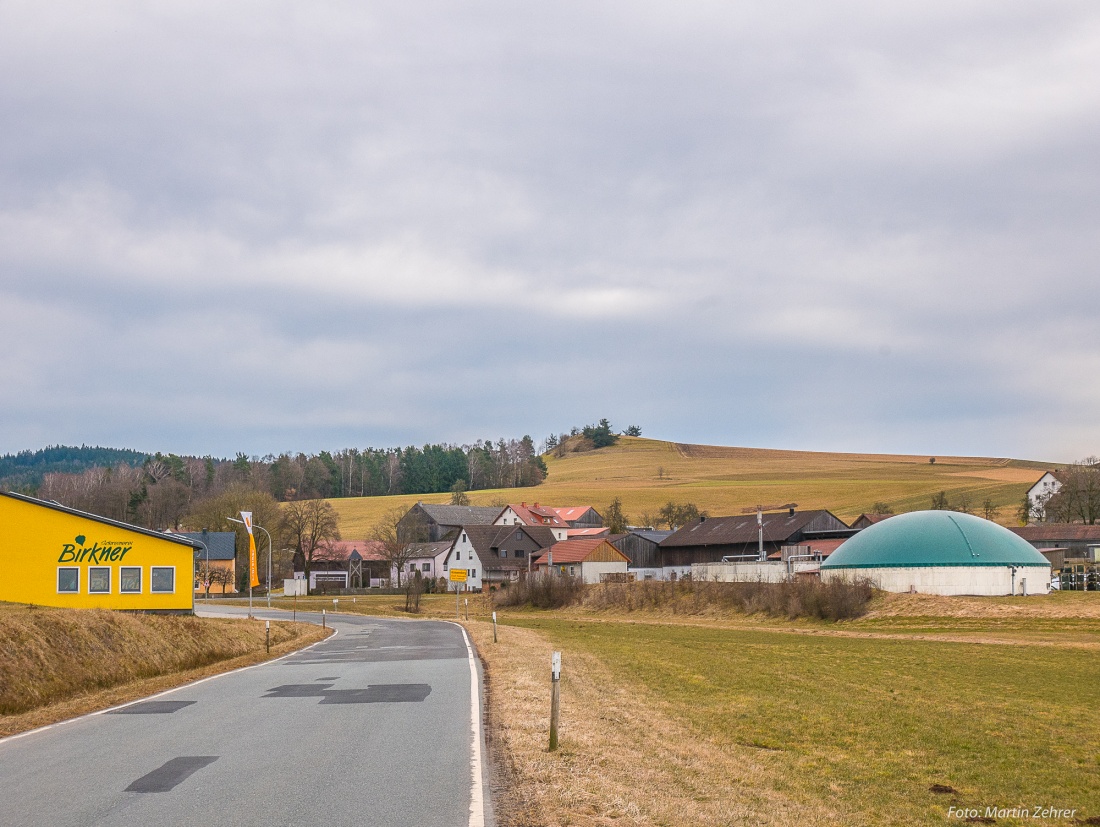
(624, 757)
(56, 663)
(647, 473)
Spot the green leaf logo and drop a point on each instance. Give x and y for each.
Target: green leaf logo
(80, 539)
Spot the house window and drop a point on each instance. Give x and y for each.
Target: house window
(458, 555)
(572, 571)
(504, 552)
(472, 573)
(163, 579)
(464, 538)
(129, 579)
(426, 567)
(99, 580)
(519, 534)
(68, 579)
(520, 552)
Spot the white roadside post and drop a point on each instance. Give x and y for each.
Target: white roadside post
(494, 627)
(555, 698)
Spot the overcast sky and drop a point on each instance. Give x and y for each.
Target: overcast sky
(259, 227)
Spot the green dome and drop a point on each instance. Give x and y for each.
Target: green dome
(933, 538)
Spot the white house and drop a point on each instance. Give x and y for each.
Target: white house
(496, 553)
(593, 560)
(1039, 494)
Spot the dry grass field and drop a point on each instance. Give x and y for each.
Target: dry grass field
(646, 473)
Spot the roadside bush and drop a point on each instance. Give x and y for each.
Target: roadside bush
(541, 592)
(801, 597)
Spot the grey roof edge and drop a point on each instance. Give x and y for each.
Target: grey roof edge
(174, 538)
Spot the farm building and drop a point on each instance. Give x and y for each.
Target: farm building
(57, 556)
(941, 552)
(593, 561)
(710, 539)
(427, 523)
(640, 545)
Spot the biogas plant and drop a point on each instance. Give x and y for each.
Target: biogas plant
(941, 552)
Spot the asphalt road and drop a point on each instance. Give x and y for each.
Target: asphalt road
(378, 725)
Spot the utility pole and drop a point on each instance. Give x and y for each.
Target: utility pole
(760, 509)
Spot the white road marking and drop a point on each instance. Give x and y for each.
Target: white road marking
(477, 802)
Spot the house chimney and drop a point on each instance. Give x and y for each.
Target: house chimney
(523, 505)
(703, 518)
(792, 510)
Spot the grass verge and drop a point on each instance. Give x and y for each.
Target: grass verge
(677, 723)
(59, 663)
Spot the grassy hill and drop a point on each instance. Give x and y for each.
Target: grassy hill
(647, 473)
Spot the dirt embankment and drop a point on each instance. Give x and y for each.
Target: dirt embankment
(56, 663)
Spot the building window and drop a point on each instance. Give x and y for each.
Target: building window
(572, 571)
(520, 552)
(68, 579)
(99, 580)
(519, 534)
(458, 555)
(426, 567)
(464, 538)
(504, 552)
(162, 579)
(129, 579)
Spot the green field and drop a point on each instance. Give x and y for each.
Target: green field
(857, 729)
(645, 474)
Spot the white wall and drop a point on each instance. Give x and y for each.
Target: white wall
(463, 556)
(951, 580)
(769, 572)
(590, 572)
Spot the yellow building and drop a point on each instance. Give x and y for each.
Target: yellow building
(51, 555)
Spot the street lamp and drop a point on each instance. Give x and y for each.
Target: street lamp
(268, 533)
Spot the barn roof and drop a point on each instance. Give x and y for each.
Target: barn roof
(778, 528)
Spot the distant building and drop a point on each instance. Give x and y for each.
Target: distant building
(941, 552)
(580, 516)
(1040, 493)
(641, 547)
(428, 523)
(710, 539)
(868, 520)
(216, 561)
(534, 515)
(592, 561)
(496, 553)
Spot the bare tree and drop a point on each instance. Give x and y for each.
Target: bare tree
(392, 543)
(1078, 500)
(306, 526)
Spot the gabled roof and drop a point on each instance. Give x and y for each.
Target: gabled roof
(577, 551)
(537, 515)
(219, 545)
(423, 551)
(342, 550)
(714, 531)
(651, 534)
(871, 519)
(160, 535)
(456, 515)
(487, 539)
(573, 512)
